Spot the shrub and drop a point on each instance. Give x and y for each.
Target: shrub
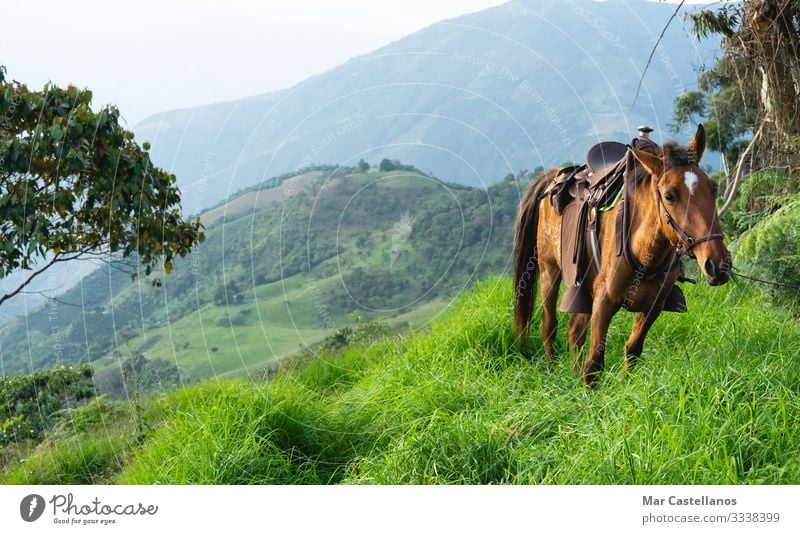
(771, 250)
(388, 165)
(760, 196)
(30, 404)
(363, 331)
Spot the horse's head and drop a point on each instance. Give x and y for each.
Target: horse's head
(686, 201)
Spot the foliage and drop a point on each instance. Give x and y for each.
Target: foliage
(91, 416)
(73, 182)
(74, 459)
(135, 374)
(227, 293)
(30, 404)
(760, 196)
(87, 446)
(723, 21)
(771, 250)
(727, 112)
(754, 84)
(363, 331)
(388, 165)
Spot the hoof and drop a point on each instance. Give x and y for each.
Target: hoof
(591, 373)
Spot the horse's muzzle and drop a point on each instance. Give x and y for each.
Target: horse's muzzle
(717, 273)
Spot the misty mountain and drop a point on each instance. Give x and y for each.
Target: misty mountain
(469, 100)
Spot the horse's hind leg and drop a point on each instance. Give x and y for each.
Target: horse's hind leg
(603, 309)
(635, 344)
(549, 283)
(578, 326)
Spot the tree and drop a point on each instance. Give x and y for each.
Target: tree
(363, 166)
(761, 59)
(227, 293)
(74, 185)
(727, 112)
(752, 95)
(389, 165)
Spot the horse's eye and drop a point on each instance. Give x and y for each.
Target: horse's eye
(670, 197)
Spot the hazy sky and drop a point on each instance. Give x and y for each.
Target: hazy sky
(153, 55)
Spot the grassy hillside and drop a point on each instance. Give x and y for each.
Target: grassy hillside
(282, 266)
(715, 400)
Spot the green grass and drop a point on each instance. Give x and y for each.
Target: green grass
(89, 446)
(715, 400)
(73, 460)
(270, 334)
(205, 344)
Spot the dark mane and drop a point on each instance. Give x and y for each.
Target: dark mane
(676, 155)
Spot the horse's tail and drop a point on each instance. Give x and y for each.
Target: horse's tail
(526, 259)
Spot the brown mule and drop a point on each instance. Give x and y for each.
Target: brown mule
(671, 211)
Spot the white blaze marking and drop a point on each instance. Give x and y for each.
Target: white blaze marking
(691, 181)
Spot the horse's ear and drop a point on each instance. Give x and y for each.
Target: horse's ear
(651, 162)
(698, 143)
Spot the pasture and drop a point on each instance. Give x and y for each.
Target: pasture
(714, 400)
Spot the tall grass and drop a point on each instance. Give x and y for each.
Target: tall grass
(714, 400)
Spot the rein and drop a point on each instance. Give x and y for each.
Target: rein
(768, 282)
(672, 261)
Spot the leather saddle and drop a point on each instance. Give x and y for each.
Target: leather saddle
(579, 182)
(579, 194)
(599, 176)
(603, 157)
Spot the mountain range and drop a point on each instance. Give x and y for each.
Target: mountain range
(469, 100)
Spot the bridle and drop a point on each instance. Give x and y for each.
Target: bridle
(687, 242)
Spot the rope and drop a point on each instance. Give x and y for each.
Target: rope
(769, 282)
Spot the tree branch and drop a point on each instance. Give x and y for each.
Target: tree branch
(57, 258)
(46, 295)
(737, 174)
(24, 284)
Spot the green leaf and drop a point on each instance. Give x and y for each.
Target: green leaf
(56, 132)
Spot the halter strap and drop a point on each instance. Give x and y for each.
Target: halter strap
(675, 259)
(687, 242)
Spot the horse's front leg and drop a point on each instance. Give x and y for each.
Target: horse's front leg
(635, 344)
(603, 310)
